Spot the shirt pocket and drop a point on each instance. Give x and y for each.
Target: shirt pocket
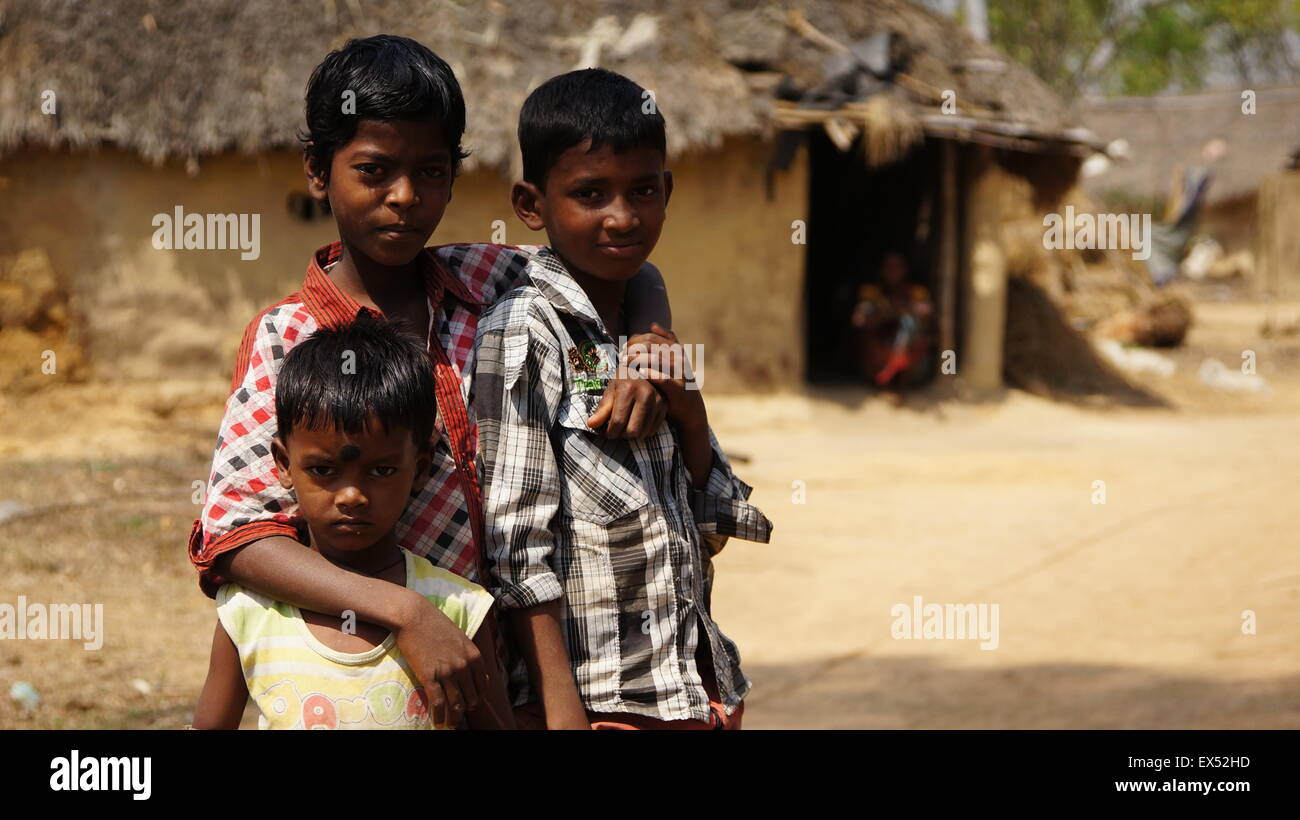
(602, 480)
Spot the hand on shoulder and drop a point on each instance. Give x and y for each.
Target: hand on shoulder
(660, 358)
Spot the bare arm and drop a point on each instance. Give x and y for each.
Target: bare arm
(697, 449)
(647, 300)
(446, 663)
(495, 711)
(221, 705)
(518, 384)
(540, 640)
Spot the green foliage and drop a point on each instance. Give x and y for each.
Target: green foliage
(1164, 46)
(1144, 46)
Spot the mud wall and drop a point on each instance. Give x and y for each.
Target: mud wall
(85, 220)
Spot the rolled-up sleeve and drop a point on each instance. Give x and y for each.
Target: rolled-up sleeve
(722, 509)
(515, 400)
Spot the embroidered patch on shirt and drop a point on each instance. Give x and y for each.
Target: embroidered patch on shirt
(594, 373)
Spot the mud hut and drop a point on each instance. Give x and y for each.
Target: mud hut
(875, 125)
(1252, 200)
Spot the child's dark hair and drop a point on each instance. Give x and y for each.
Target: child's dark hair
(339, 377)
(393, 78)
(592, 103)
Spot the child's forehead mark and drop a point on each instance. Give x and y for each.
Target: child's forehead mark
(350, 452)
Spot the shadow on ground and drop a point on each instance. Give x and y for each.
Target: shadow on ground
(922, 693)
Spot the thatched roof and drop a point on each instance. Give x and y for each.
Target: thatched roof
(184, 78)
(1166, 131)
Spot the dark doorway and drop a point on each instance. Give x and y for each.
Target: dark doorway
(858, 215)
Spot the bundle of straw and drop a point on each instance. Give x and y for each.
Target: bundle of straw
(890, 129)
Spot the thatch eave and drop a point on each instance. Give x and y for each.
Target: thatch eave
(189, 78)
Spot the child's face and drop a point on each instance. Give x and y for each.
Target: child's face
(603, 211)
(388, 188)
(351, 488)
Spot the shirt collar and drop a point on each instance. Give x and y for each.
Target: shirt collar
(557, 285)
(331, 307)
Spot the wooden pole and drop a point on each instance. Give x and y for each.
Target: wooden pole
(984, 288)
(948, 248)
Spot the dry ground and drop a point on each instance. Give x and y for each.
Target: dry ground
(1122, 614)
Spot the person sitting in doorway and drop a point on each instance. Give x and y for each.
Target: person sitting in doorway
(892, 327)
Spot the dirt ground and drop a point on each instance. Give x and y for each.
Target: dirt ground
(1126, 613)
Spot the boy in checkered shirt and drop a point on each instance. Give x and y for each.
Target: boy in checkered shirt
(601, 550)
(385, 117)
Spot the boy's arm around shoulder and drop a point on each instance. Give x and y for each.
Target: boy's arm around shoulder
(647, 300)
(260, 551)
(245, 532)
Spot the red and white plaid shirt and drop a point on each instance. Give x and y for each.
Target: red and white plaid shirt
(443, 522)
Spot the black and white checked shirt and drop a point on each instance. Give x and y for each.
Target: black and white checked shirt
(612, 527)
